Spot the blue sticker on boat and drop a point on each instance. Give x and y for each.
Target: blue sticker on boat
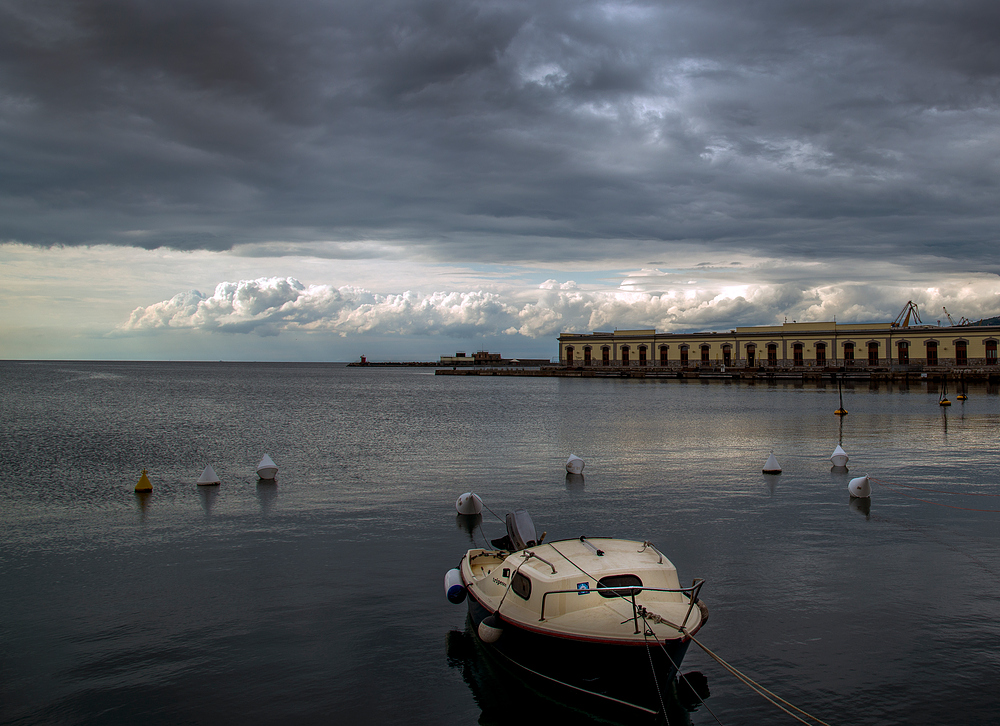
(582, 588)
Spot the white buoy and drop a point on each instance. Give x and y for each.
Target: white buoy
(839, 457)
(771, 466)
(469, 503)
(574, 464)
(208, 477)
(267, 469)
(490, 629)
(860, 487)
(454, 588)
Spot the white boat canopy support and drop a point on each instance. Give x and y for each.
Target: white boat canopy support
(208, 477)
(267, 469)
(574, 464)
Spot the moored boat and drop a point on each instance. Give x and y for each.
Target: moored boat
(600, 616)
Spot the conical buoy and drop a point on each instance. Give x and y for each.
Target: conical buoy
(144, 485)
(860, 487)
(771, 465)
(208, 477)
(574, 464)
(839, 457)
(267, 469)
(469, 503)
(840, 412)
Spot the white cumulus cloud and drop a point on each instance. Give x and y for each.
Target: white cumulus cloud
(272, 305)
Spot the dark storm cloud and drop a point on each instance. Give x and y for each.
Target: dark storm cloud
(500, 131)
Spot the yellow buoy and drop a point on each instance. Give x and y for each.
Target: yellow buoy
(840, 412)
(944, 402)
(144, 485)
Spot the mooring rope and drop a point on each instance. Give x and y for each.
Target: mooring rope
(767, 695)
(938, 491)
(646, 630)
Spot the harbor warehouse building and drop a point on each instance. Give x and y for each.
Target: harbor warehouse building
(794, 346)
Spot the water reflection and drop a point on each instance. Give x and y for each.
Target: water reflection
(574, 482)
(505, 697)
(771, 483)
(267, 492)
(208, 495)
(469, 523)
(142, 499)
(861, 505)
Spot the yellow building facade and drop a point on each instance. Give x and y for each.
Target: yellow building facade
(797, 346)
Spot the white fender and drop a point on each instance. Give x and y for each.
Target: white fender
(454, 588)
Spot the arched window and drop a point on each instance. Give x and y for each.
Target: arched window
(961, 353)
(991, 352)
(625, 352)
(848, 352)
(797, 354)
(586, 356)
(821, 354)
(903, 353)
(932, 347)
(569, 356)
(684, 355)
(605, 356)
(704, 353)
(772, 354)
(727, 355)
(642, 355)
(751, 356)
(873, 354)
(663, 355)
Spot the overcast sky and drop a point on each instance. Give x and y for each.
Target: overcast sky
(317, 179)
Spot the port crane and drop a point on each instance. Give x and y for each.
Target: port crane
(903, 319)
(961, 321)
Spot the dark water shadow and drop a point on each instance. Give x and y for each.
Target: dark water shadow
(574, 482)
(862, 506)
(771, 483)
(468, 523)
(208, 495)
(506, 697)
(142, 500)
(267, 493)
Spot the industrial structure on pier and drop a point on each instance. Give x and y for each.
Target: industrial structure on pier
(791, 347)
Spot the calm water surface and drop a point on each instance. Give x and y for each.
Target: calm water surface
(320, 600)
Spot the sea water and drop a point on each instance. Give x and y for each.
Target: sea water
(319, 598)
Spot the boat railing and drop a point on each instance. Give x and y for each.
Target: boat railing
(628, 592)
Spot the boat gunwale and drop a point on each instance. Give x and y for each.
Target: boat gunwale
(702, 608)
